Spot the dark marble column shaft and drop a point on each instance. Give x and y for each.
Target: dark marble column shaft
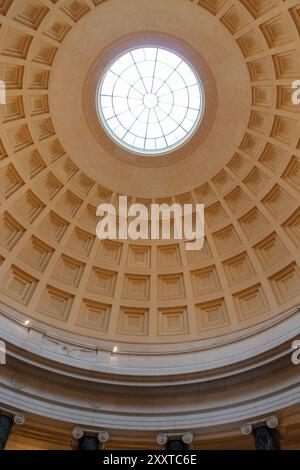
(176, 445)
(88, 443)
(6, 423)
(266, 438)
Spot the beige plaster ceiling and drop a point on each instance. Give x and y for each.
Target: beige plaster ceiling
(174, 23)
(55, 169)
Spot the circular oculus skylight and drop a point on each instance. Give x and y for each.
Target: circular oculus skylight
(150, 100)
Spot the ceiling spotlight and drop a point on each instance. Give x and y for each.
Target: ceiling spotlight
(115, 349)
(27, 323)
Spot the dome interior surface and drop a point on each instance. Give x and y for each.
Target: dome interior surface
(55, 169)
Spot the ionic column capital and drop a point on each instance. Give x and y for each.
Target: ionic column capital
(102, 436)
(163, 438)
(269, 421)
(17, 417)
(86, 437)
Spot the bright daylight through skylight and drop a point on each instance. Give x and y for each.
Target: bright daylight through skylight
(150, 100)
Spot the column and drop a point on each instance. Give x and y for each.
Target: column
(175, 442)
(176, 445)
(90, 439)
(266, 438)
(7, 420)
(264, 433)
(6, 423)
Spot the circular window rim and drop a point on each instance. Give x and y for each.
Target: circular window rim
(170, 148)
(133, 41)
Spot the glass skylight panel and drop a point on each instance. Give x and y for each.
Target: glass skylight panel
(150, 100)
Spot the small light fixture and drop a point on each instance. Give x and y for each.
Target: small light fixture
(27, 323)
(115, 349)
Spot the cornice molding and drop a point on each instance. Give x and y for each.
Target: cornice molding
(204, 357)
(44, 376)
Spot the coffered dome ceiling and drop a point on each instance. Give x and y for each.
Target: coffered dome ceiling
(57, 165)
